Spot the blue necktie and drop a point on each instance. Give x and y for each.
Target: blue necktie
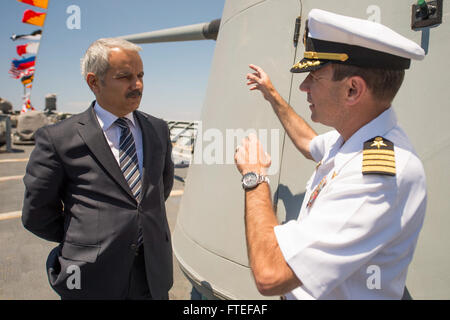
(128, 162)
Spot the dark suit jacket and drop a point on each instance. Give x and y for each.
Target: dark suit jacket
(76, 195)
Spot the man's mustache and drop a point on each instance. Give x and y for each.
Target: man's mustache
(134, 94)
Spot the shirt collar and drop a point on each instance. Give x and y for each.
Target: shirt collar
(377, 127)
(106, 118)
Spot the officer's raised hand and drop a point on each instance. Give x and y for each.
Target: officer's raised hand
(259, 80)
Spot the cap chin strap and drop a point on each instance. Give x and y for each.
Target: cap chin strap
(326, 56)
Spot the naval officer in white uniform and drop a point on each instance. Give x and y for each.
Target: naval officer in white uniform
(365, 203)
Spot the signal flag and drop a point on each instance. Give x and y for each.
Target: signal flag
(37, 3)
(30, 48)
(32, 17)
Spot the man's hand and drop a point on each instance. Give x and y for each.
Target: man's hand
(297, 129)
(259, 80)
(250, 156)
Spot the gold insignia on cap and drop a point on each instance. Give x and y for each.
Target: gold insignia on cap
(306, 64)
(378, 157)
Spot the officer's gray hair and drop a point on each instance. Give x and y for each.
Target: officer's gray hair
(95, 59)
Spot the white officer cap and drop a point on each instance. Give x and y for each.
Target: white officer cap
(334, 38)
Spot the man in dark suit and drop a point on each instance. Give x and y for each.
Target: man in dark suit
(97, 182)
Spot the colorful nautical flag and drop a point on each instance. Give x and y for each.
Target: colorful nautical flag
(32, 17)
(37, 3)
(27, 106)
(16, 74)
(35, 35)
(27, 72)
(24, 63)
(29, 48)
(27, 79)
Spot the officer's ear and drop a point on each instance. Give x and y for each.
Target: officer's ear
(356, 88)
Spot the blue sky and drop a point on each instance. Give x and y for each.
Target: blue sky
(176, 74)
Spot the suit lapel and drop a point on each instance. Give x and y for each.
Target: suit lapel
(91, 133)
(151, 145)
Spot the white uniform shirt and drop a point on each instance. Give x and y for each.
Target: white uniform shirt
(358, 237)
(112, 132)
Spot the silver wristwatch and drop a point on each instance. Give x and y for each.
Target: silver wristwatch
(251, 179)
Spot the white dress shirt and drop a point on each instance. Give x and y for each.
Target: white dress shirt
(112, 132)
(358, 237)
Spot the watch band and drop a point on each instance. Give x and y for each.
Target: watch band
(262, 178)
(259, 179)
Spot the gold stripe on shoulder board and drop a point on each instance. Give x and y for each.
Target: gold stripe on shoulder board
(385, 152)
(378, 163)
(378, 157)
(379, 170)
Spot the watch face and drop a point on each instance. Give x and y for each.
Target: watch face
(250, 180)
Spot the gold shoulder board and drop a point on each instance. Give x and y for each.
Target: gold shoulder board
(378, 157)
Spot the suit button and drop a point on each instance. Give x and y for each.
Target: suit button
(133, 247)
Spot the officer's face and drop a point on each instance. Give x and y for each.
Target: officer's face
(121, 89)
(324, 95)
